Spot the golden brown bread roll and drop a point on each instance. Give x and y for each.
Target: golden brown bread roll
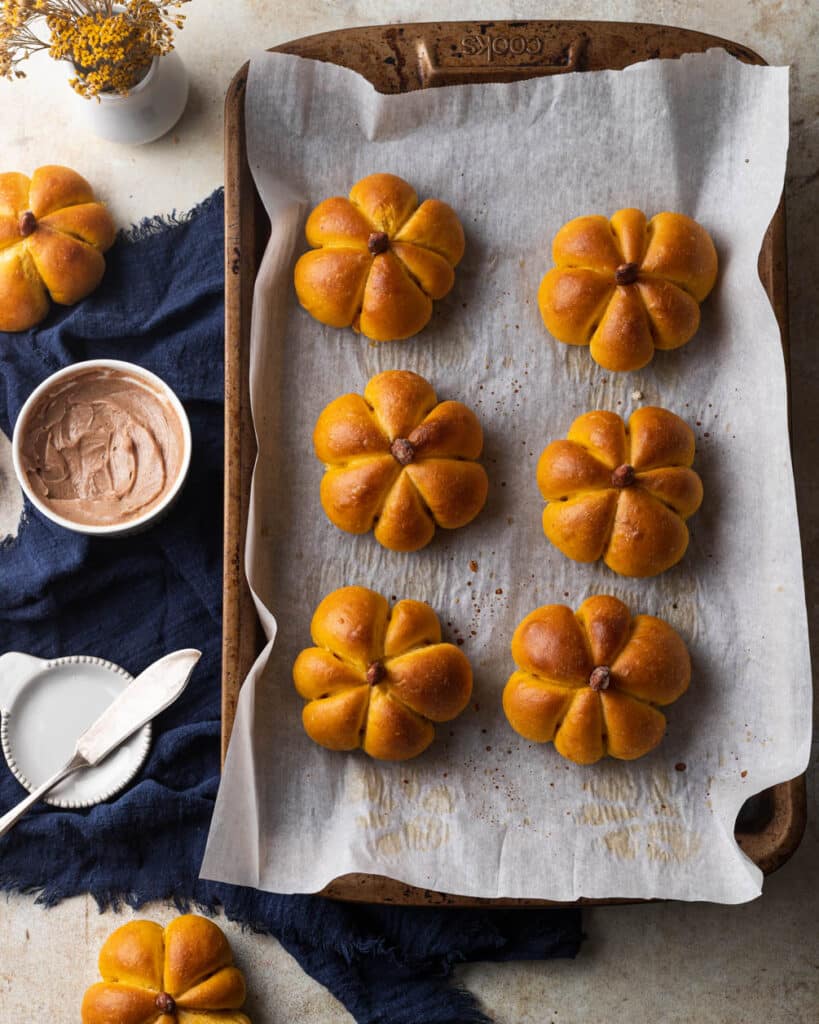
(182, 974)
(378, 259)
(379, 679)
(591, 681)
(626, 287)
(52, 237)
(400, 461)
(621, 494)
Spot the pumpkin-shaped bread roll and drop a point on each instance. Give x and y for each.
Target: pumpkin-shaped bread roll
(378, 259)
(182, 974)
(592, 681)
(621, 493)
(52, 236)
(627, 286)
(377, 678)
(399, 461)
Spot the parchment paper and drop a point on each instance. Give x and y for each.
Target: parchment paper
(483, 812)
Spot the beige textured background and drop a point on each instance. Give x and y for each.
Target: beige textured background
(668, 963)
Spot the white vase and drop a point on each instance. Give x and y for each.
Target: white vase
(150, 109)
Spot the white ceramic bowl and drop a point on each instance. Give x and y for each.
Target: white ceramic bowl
(138, 523)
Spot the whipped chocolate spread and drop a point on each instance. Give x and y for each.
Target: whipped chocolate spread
(102, 447)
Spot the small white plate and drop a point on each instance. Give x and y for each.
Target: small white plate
(45, 706)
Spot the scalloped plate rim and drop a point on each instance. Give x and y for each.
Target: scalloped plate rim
(62, 803)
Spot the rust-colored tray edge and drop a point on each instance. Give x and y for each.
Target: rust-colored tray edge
(381, 54)
(244, 240)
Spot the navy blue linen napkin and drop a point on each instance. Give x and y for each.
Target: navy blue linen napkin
(131, 601)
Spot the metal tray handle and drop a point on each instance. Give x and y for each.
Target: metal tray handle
(495, 53)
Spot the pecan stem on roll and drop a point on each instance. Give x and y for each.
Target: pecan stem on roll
(27, 223)
(378, 242)
(623, 476)
(165, 1003)
(626, 273)
(402, 451)
(600, 678)
(375, 673)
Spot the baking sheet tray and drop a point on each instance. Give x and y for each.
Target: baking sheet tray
(400, 58)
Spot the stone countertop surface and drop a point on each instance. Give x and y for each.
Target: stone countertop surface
(670, 963)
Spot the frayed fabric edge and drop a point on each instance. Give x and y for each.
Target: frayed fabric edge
(150, 227)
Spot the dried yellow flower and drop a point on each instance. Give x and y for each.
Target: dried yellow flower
(111, 45)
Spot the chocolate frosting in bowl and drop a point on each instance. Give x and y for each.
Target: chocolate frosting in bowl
(102, 447)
